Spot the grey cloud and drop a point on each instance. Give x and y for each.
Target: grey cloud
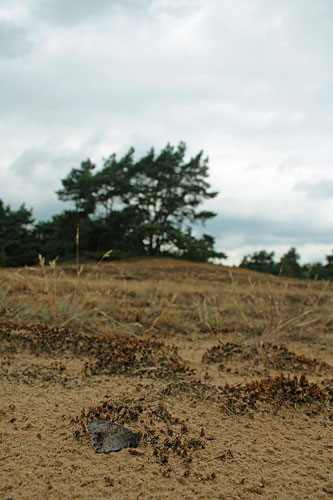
(48, 210)
(319, 189)
(257, 231)
(30, 164)
(238, 81)
(38, 165)
(269, 63)
(306, 23)
(36, 175)
(73, 12)
(14, 40)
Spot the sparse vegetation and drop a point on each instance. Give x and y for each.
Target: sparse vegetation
(203, 361)
(162, 297)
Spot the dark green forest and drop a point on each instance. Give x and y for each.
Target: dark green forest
(288, 265)
(134, 208)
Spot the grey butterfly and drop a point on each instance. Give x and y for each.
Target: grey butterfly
(106, 436)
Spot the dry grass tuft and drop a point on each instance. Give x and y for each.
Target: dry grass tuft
(165, 297)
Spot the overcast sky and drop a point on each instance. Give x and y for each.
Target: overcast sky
(249, 82)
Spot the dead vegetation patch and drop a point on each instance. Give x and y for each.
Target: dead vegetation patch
(277, 392)
(29, 372)
(263, 357)
(193, 390)
(281, 391)
(106, 355)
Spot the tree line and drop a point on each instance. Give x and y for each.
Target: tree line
(288, 265)
(136, 208)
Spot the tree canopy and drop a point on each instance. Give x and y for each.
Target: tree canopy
(134, 207)
(261, 261)
(148, 205)
(17, 242)
(288, 265)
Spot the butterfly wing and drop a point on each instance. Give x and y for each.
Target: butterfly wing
(106, 436)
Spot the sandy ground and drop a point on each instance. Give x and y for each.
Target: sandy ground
(219, 419)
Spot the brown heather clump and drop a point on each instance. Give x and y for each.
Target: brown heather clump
(263, 357)
(106, 355)
(280, 391)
